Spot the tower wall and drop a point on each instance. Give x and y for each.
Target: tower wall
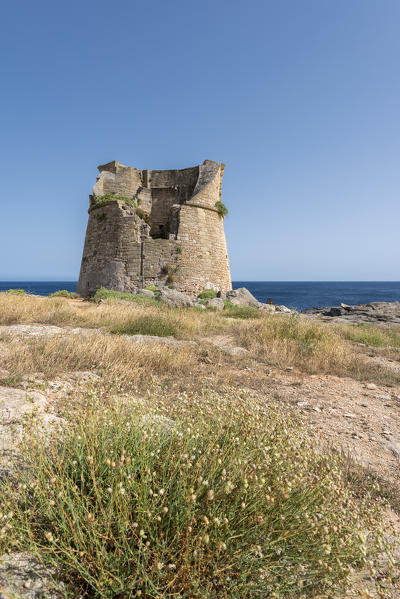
(179, 238)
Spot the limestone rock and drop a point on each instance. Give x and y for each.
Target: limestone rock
(217, 303)
(15, 406)
(198, 305)
(146, 292)
(22, 576)
(16, 403)
(376, 312)
(174, 298)
(267, 307)
(43, 330)
(242, 297)
(235, 350)
(282, 309)
(154, 339)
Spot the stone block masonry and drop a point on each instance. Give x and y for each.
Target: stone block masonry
(155, 228)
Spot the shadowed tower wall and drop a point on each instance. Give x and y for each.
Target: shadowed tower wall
(155, 228)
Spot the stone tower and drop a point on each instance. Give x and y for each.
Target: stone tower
(155, 228)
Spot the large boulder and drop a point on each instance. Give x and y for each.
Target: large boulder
(282, 309)
(217, 303)
(174, 298)
(242, 297)
(146, 293)
(267, 307)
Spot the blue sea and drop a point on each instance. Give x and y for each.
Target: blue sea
(293, 294)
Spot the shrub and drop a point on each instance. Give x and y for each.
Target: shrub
(207, 294)
(64, 293)
(223, 501)
(221, 208)
(17, 291)
(152, 288)
(147, 325)
(179, 250)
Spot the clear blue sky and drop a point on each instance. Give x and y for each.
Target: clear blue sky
(300, 98)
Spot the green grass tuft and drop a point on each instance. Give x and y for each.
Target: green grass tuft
(222, 209)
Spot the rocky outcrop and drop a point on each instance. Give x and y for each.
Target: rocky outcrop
(374, 312)
(236, 297)
(217, 303)
(174, 298)
(242, 297)
(16, 407)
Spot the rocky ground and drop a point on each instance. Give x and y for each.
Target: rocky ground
(374, 312)
(362, 418)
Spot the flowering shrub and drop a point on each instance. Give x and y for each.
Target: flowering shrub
(211, 496)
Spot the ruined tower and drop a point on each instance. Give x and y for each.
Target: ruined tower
(155, 227)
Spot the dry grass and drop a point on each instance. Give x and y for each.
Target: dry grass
(277, 339)
(28, 309)
(108, 315)
(114, 357)
(310, 346)
(294, 341)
